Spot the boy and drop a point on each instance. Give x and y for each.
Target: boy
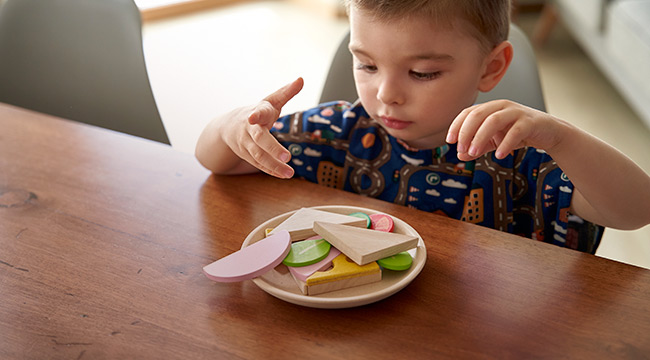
(415, 137)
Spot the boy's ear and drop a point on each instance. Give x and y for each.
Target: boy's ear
(496, 65)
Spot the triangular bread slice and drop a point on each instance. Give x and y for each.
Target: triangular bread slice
(364, 245)
(300, 225)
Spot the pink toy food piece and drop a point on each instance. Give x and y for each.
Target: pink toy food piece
(303, 272)
(251, 261)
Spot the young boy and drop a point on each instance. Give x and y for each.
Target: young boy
(415, 137)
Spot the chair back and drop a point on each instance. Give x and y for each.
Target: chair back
(79, 59)
(521, 82)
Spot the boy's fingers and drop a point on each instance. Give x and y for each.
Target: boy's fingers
(269, 144)
(452, 133)
(267, 152)
(282, 171)
(474, 120)
(264, 151)
(279, 170)
(490, 133)
(513, 139)
(268, 110)
(279, 98)
(265, 162)
(468, 128)
(454, 128)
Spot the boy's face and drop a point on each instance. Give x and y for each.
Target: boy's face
(413, 76)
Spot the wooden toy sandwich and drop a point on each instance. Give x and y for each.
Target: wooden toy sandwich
(323, 251)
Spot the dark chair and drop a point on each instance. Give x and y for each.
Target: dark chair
(81, 60)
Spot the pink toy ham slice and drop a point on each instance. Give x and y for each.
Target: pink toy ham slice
(302, 273)
(251, 261)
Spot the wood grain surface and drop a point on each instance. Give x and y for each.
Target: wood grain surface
(103, 237)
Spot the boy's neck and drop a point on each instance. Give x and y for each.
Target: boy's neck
(414, 148)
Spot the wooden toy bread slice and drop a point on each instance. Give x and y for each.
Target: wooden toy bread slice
(343, 274)
(251, 261)
(300, 225)
(362, 215)
(364, 245)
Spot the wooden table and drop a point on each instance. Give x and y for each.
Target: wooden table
(103, 237)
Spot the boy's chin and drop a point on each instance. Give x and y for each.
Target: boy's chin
(413, 140)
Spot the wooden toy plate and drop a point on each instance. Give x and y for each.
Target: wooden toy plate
(279, 282)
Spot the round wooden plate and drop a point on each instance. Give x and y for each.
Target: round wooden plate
(279, 282)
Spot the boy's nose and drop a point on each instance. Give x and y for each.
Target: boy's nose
(389, 92)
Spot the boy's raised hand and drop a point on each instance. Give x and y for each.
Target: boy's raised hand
(251, 139)
(504, 126)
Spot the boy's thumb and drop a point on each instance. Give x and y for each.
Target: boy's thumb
(263, 114)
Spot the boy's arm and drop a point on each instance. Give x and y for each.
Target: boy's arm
(239, 142)
(609, 188)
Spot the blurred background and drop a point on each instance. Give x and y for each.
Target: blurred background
(206, 57)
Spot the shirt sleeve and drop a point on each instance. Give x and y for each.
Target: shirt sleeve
(543, 211)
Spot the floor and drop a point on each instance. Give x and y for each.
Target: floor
(207, 63)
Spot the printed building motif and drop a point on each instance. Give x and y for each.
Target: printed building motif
(330, 175)
(474, 206)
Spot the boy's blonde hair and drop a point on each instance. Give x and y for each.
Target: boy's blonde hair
(489, 19)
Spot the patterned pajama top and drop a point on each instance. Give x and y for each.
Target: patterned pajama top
(339, 145)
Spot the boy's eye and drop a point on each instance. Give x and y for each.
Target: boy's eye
(366, 68)
(425, 76)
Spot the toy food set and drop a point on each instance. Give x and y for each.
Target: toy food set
(326, 251)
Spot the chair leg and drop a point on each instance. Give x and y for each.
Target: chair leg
(544, 25)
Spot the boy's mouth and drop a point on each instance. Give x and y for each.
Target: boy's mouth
(393, 123)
